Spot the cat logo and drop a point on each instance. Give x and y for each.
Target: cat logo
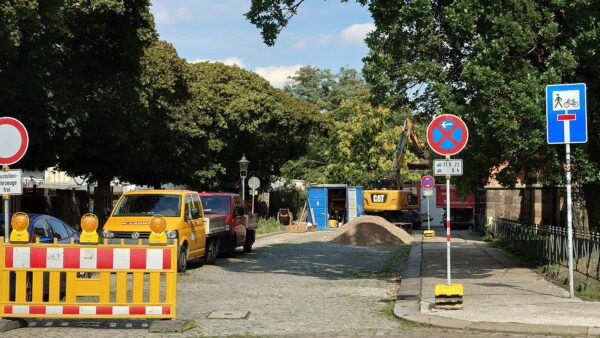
(378, 198)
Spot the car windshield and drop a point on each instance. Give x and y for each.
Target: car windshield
(149, 205)
(216, 204)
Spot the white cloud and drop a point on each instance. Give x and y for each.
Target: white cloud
(171, 16)
(277, 75)
(324, 39)
(234, 61)
(357, 33)
(300, 44)
(230, 61)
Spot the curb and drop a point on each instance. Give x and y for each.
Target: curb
(408, 307)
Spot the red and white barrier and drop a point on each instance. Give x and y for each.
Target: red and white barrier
(86, 310)
(87, 258)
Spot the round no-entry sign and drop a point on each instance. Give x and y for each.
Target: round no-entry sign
(14, 140)
(447, 134)
(427, 182)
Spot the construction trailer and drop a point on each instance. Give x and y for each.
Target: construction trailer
(331, 205)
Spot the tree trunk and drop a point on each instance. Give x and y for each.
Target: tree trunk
(100, 199)
(591, 192)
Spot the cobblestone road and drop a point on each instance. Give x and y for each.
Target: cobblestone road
(292, 285)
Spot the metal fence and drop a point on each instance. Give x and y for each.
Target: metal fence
(550, 244)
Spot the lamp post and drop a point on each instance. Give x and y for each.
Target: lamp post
(243, 162)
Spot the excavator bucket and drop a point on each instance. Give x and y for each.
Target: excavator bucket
(449, 297)
(429, 234)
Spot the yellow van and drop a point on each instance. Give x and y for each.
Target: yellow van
(182, 210)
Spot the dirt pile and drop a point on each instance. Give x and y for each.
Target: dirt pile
(369, 231)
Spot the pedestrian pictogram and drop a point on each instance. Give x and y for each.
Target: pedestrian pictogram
(427, 182)
(447, 134)
(566, 113)
(14, 140)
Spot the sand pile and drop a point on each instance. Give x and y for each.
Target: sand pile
(369, 231)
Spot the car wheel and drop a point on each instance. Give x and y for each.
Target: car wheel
(182, 259)
(248, 243)
(210, 258)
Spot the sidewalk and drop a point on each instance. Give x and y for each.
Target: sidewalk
(500, 294)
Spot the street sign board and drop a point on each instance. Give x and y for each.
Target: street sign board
(445, 167)
(11, 182)
(14, 140)
(427, 182)
(566, 113)
(447, 134)
(427, 193)
(254, 182)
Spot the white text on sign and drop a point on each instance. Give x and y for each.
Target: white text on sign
(445, 167)
(10, 182)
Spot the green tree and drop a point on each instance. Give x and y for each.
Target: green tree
(488, 62)
(163, 151)
(325, 89)
(100, 92)
(31, 40)
(249, 117)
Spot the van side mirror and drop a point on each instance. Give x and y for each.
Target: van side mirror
(107, 213)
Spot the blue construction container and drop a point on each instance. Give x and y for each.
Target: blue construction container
(338, 202)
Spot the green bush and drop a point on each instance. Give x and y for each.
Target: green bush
(287, 197)
(268, 225)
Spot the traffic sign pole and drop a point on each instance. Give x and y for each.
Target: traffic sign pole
(570, 98)
(569, 219)
(428, 227)
(448, 226)
(6, 199)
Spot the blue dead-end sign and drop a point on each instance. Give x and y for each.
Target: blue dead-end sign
(566, 113)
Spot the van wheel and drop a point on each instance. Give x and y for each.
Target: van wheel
(249, 241)
(182, 259)
(230, 250)
(210, 258)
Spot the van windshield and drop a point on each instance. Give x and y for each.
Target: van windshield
(216, 204)
(149, 205)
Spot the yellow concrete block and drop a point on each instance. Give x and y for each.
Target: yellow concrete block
(429, 233)
(449, 297)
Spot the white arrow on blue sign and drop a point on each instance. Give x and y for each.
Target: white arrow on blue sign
(566, 113)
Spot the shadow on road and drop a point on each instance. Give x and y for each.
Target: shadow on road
(318, 259)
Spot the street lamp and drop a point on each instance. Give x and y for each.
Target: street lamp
(243, 173)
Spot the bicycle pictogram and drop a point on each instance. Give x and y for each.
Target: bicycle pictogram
(571, 103)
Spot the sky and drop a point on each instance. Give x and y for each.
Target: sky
(324, 34)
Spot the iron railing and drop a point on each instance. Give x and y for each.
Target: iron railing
(550, 245)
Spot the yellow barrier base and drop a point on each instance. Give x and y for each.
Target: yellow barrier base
(429, 233)
(449, 297)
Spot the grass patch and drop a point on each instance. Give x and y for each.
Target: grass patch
(586, 288)
(268, 225)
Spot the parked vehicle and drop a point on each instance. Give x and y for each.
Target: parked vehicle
(197, 237)
(242, 225)
(45, 228)
(462, 211)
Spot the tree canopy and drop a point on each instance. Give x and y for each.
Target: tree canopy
(489, 63)
(357, 141)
